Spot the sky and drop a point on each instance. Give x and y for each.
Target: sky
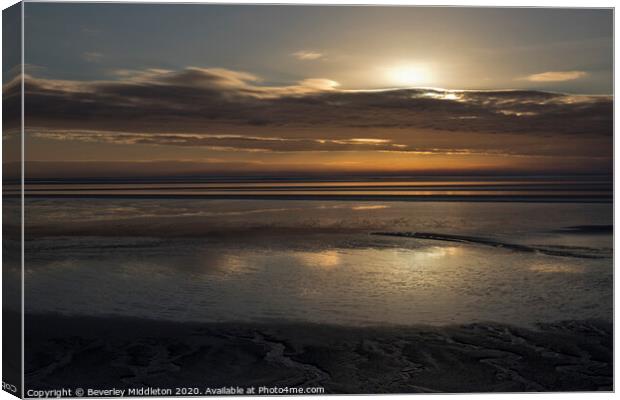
(117, 89)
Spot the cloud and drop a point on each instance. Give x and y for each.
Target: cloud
(223, 81)
(92, 56)
(307, 55)
(248, 143)
(224, 109)
(223, 142)
(556, 76)
(90, 30)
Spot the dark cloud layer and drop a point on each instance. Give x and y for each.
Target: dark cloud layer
(212, 98)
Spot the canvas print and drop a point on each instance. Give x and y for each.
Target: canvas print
(209, 199)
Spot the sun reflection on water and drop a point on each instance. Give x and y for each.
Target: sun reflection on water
(327, 259)
(557, 268)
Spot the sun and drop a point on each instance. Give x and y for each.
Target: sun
(407, 75)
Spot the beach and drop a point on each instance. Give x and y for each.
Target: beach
(350, 296)
(104, 353)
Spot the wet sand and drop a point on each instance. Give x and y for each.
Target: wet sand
(113, 352)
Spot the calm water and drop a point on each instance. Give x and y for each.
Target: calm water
(499, 188)
(193, 259)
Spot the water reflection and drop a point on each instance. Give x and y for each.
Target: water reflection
(435, 252)
(557, 268)
(313, 261)
(371, 207)
(321, 259)
(434, 284)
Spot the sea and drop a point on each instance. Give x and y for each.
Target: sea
(359, 251)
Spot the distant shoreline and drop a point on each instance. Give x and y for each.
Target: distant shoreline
(330, 197)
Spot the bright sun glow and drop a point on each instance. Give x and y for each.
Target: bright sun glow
(408, 75)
